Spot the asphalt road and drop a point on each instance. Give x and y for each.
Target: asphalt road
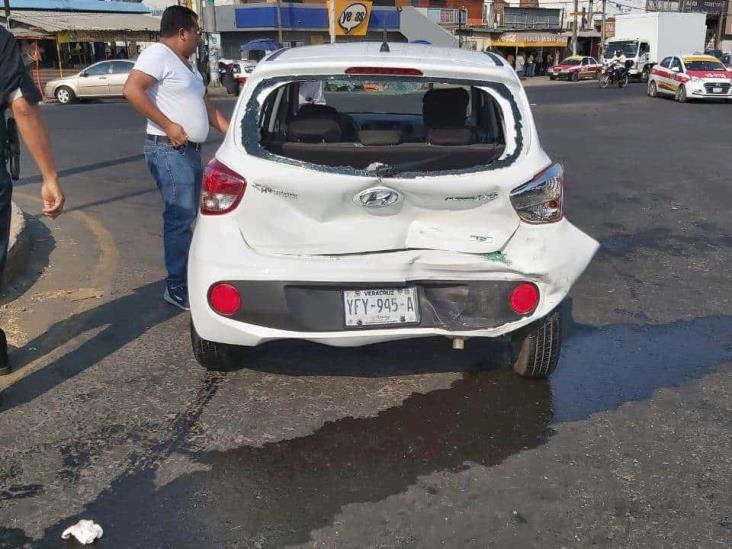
(108, 417)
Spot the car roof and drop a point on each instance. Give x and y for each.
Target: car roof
(420, 56)
(689, 58)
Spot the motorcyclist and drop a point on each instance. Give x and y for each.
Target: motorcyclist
(618, 64)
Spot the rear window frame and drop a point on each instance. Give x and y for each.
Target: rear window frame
(249, 136)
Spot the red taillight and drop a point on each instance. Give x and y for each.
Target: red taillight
(225, 299)
(524, 298)
(382, 71)
(223, 189)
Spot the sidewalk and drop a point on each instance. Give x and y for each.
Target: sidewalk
(545, 81)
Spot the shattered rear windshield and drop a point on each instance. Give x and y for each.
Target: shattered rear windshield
(386, 125)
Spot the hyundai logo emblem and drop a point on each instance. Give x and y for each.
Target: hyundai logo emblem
(377, 197)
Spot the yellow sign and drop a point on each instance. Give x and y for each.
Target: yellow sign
(530, 40)
(351, 18)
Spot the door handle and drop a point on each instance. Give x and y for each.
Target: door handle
(102, 78)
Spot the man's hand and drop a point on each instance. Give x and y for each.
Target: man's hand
(177, 135)
(53, 198)
(33, 131)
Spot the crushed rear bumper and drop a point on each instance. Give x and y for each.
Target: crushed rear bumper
(460, 294)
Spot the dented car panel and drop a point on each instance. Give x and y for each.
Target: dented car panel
(306, 235)
(552, 256)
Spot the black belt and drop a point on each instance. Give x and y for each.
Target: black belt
(165, 139)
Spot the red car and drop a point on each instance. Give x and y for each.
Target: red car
(574, 68)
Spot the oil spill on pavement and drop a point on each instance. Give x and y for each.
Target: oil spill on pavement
(665, 241)
(12, 538)
(276, 494)
(601, 368)
(279, 492)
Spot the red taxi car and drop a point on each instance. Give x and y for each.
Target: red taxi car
(574, 68)
(691, 77)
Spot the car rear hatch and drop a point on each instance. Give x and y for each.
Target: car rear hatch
(384, 180)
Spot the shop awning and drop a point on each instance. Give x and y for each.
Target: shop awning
(529, 40)
(22, 33)
(90, 27)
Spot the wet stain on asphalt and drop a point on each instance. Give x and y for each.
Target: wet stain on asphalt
(276, 494)
(664, 240)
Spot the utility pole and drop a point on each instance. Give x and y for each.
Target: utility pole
(720, 25)
(279, 22)
(602, 31)
(331, 21)
(7, 14)
(460, 27)
(574, 27)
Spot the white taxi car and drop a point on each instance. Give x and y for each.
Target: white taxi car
(411, 199)
(691, 77)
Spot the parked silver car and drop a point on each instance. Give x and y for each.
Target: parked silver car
(103, 79)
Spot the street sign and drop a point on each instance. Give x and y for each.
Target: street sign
(350, 18)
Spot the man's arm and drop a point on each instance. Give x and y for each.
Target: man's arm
(135, 91)
(33, 131)
(215, 118)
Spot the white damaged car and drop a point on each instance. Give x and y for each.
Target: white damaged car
(364, 195)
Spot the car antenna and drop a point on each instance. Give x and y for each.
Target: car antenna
(385, 44)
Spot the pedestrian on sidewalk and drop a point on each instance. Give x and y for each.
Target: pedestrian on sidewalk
(20, 95)
(520, 64)
(169, 91)
(539, 64)
(530, 66)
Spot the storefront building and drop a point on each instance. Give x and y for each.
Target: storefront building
(514, 31)
(61, 36)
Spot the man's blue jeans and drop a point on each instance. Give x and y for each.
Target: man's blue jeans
(6, 193)
(178, 174)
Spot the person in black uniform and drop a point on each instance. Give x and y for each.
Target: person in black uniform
(20, 96)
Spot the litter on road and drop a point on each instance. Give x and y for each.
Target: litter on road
(85, 532)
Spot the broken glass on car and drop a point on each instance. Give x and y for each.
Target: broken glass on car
(385, 126)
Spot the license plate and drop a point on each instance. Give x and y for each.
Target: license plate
(374, 307)
(716, 90)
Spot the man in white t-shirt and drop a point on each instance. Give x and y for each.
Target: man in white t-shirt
(169, 91)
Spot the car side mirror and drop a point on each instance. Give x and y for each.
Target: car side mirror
(675, 69)
(83, 74)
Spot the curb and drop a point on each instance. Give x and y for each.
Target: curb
(19, 244)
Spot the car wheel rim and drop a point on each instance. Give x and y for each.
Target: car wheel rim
(63, 96)
(652, 89)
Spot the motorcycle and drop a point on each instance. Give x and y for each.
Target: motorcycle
(615, 75)
(228, 78)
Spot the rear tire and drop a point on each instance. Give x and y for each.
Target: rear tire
(214, 356)
(681, 94)
(623, 82)
(536, 347)
(575, 77)
(64, 95)
(646, 74)
(652, 89)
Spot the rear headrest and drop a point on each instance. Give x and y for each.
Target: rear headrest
(315, 110)
(313, 130)
(445, 107)
(450, 136)
(380, 137)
